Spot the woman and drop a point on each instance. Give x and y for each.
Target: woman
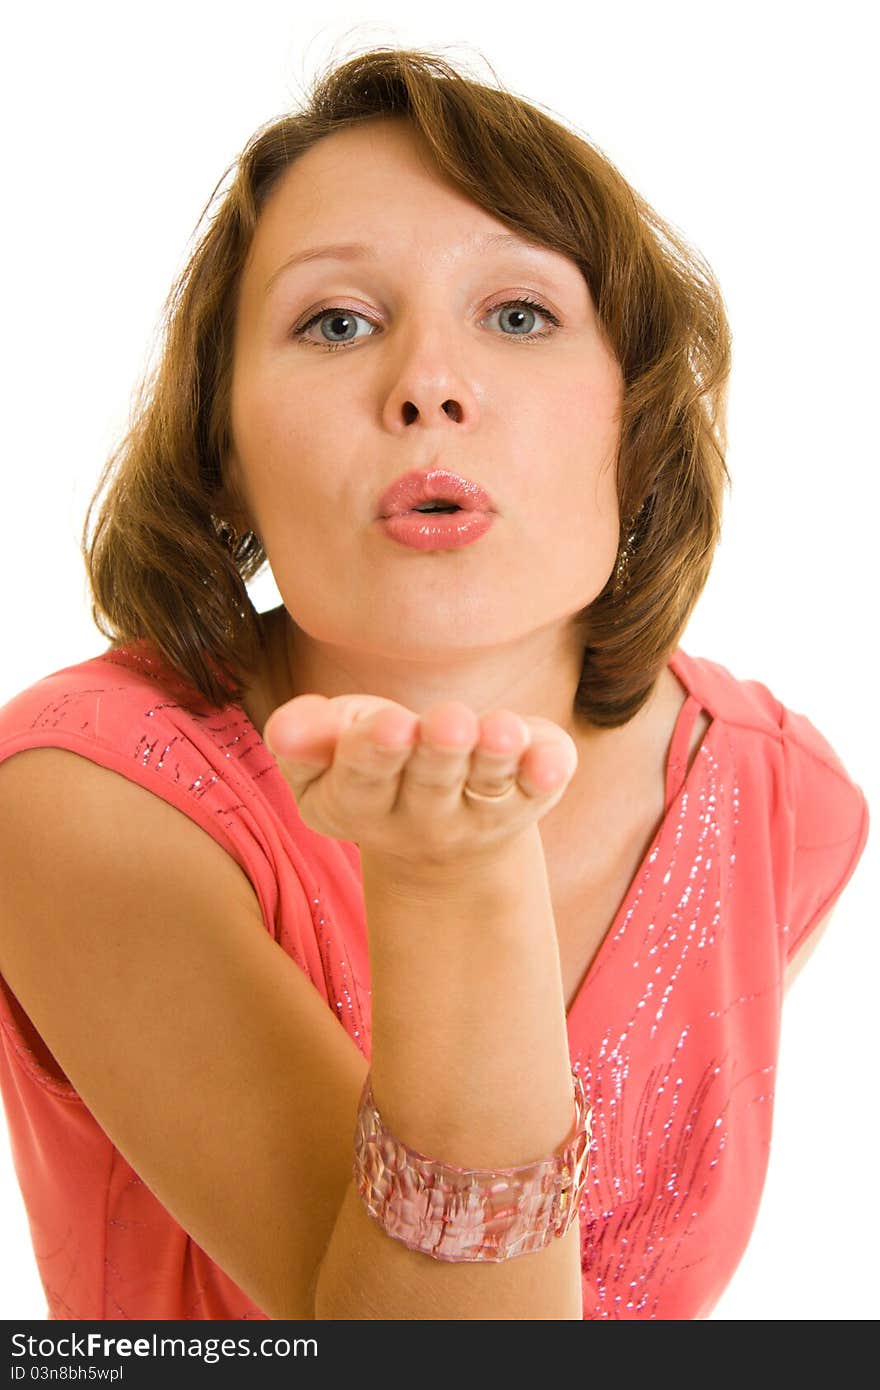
(462, 790)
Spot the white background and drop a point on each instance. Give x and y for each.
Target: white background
(747, 126)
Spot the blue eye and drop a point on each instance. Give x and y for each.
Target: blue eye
(338, 315)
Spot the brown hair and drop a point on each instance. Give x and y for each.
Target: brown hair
(166, 564)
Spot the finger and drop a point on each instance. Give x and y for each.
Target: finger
(370, 753)
(494, 765)
(438, 765)
(547, 767)
(532, 752)
(301, 738)
(297, 730)
(306, 728)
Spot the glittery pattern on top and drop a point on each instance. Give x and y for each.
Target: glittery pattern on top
(674, 1030)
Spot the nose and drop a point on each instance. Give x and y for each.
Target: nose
(452, 408)
(431, 388)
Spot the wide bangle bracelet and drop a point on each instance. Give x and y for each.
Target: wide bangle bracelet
(460, 1214)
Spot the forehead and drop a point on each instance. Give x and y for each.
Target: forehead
(376, 183)
(381, 152)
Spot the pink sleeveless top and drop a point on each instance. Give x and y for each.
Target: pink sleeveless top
(675, 1026)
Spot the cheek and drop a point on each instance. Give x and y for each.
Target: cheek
(580, 445)
(273, 418)
(578, 498)
(265, 408)
(283, 450)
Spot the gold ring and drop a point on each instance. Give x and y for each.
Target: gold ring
(483, 796)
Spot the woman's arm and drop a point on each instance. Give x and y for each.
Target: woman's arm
(470, 1066)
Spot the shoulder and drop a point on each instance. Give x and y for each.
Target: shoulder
(127, 711)
(792, 742)
(805, 812)
(131, 702)
(812, 769)
(740, 702)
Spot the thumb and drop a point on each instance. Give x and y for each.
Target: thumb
(293, 728)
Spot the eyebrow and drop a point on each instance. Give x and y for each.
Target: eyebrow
(359, 251)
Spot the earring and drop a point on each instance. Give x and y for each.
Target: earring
(621, 573)
(230, 537)
(227, 534)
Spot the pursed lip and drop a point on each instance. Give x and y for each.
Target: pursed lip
(436, 485)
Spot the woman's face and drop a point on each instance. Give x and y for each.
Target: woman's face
(432, 372)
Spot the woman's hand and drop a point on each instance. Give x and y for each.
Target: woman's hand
(369, 770)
